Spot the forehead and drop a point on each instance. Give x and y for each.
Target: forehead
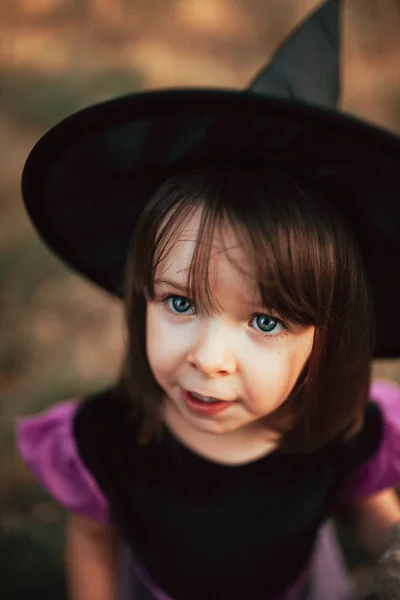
(227, 272)
(225, 249)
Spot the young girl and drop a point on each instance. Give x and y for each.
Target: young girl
(252, 276)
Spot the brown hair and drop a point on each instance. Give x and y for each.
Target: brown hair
(310, 271)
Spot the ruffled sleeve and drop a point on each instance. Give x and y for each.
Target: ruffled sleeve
(382, 470)
(47, 445)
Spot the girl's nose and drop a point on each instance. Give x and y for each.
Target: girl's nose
(212, 354)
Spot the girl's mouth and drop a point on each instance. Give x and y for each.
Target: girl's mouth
(203, 404)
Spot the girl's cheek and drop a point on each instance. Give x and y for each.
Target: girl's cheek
(167, 337)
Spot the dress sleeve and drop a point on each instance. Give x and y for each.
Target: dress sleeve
(47, 445)
(382, 470)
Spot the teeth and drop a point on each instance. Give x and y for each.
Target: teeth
(204, 398)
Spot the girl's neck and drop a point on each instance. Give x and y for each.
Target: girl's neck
(234, 448)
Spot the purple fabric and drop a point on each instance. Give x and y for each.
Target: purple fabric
(129, 573)
(47, 445)
(383, 470)
(329, 577)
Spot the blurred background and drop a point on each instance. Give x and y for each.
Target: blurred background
(60, 337)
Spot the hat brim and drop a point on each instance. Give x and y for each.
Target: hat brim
(87, 180)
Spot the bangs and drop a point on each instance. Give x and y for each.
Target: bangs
(292, 239)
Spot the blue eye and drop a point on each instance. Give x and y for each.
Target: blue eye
(267, 324)
(178, 304)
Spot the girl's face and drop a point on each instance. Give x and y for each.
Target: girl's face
(240, 354)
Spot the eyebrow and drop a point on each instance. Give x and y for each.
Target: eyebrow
(175, 284)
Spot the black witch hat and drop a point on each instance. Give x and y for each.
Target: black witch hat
(87, 180)
(306, 67)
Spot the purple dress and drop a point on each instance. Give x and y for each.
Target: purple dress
(47, 444)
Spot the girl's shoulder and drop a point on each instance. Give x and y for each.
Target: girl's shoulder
(66, 447)
(104, 430)
(370, 461)
(102, 418)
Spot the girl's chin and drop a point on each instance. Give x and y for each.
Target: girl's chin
(214, 428)
(217, 426)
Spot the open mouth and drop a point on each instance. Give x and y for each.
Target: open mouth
(207, 399)
(205, 405)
